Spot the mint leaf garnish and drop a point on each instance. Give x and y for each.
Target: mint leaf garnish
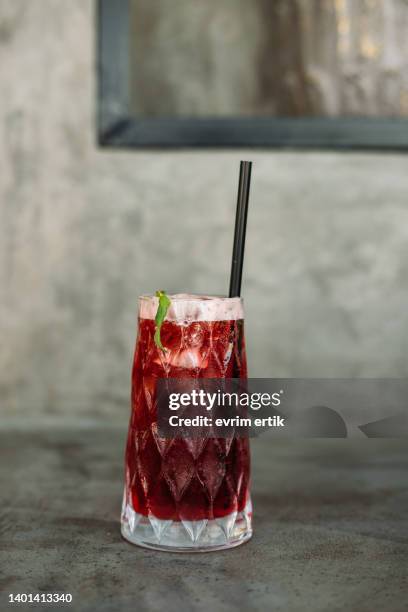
(164, 304)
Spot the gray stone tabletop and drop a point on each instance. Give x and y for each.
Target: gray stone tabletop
(331, 529)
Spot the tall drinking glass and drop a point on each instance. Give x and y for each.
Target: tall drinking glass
(186, 494)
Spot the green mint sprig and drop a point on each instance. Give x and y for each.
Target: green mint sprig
(164, 304)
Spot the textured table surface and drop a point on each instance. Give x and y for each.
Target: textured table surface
(331, 529)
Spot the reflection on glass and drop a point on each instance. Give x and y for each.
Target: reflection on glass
(269, 58)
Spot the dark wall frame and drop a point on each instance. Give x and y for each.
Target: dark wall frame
(118, 128)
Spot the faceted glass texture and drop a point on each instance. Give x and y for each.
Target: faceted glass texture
(186, 494)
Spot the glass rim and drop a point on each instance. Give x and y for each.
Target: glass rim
(191, 297)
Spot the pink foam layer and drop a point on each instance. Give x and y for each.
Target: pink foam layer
(186, 308)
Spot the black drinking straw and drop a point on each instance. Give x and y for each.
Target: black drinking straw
(240, 228)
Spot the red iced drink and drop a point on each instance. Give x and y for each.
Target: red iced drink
(186, 487)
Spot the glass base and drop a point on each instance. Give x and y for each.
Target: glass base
(187, 536)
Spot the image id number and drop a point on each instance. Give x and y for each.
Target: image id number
(40, 598)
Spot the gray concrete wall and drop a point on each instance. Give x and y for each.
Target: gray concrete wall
(84, 231)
